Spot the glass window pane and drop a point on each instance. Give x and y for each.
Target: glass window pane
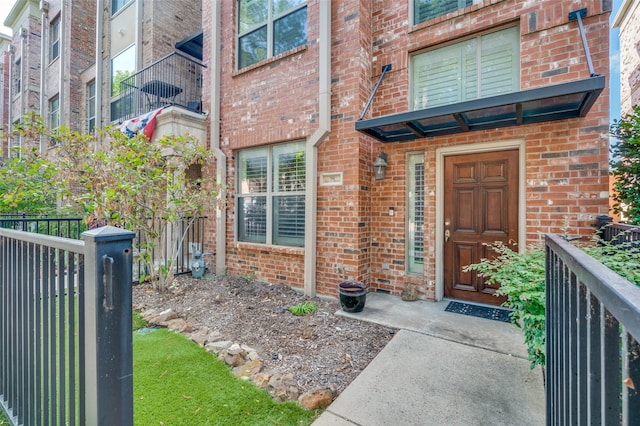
(423, 10)
(281, 6)
(253, 171)
(252, 219)
(290, 31)
(288, 220)
(415, 225)
(476, 68)
(252, 14)
(116, 5)
(55, 39)
(122, 67)
(500, 58)
(289, 167)
(253, 48)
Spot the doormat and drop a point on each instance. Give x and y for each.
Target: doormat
(497, 314)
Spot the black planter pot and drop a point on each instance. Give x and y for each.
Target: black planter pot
(353, 296)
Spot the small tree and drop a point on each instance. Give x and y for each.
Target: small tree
(625, 165)
(141, 186)
(29, 183)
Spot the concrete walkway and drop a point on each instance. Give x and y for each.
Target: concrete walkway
(441, 368)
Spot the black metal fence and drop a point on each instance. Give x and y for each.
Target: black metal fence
(65, 328)
(187, 235)
(593, 329)
(175, 79)
(65, 227)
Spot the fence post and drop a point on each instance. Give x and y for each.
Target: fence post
(602, 221)
(108, 302)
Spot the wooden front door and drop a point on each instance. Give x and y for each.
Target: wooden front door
(480, 207)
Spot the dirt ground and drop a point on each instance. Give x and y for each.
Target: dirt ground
(321, 350)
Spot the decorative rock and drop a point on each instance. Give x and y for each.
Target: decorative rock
(283, 387)
(319, 398)
(262, 380)
(235, 356)
(201, 336)
(217, 347)
(162, 318)
(179, 325)
(248, 370)
(409, 293)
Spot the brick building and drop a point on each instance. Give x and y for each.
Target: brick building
(489, 118)
(628, 20)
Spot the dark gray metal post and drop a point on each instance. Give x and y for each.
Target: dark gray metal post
(109, 381)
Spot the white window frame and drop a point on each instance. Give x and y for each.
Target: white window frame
(118, 5)
(415, 202)
(270, 191)
(269, 24)
(54, 113)
(463, 71)
(54, 39)
(91, 106)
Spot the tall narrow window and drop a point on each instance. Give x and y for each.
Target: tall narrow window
(415, 216)
(269, 27)
(54, 39)
(91, 106)
(54, 117)
(18, 78)
(271, 189)
(479, 67)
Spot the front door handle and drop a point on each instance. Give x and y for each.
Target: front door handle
(447, 234)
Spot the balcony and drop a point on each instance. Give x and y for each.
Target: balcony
(175, 80)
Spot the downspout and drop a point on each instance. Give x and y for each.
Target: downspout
(44, 8)
(23, 36)
(61, 65)
(98, 78)
(324, 128)
(221, 158)
(12, 58)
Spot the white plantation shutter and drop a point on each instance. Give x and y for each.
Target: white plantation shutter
(479, 67)
(500, 58)
(415, 225)
(271, 194)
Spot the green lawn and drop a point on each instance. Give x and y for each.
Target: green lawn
(177, 382)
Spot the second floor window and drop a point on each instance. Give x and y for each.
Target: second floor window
(54, 37)
(423, 10)
(269, 27)
(91, 106)
(478, 67)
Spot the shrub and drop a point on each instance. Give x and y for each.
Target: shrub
(522, 280)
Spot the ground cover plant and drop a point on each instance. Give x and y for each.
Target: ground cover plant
(177, 382)
(522, 281)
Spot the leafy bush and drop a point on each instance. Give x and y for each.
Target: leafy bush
(522, 280)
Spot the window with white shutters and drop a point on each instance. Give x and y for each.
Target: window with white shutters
(423, 10)
(271, 194)
(415, 217)
(479, 67)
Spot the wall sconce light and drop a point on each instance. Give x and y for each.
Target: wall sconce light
(380, 166)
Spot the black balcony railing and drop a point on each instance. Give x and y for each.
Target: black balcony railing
(175, 79)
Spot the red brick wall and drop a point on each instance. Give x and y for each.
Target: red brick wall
(566, 172)
(276, 101)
